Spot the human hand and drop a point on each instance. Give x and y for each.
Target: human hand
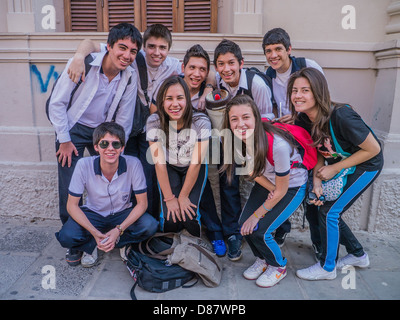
(64, 153)
(327, 172)
(76, 69)
(186, 207)
(173, 210)
(249, 225)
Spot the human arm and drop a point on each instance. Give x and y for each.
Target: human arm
(160, 163)
(78, 215)
(76, 70)
(262, 97)
(58, 104)
(134, 215)
(192, 174)
(281, 188)
(369, 148)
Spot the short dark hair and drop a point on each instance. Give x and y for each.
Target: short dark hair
(112, 128)
(158, 30)
(276, 36)
(123, 31)
(198, 52)
(226, 46)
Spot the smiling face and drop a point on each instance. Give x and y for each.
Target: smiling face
(278, 57)
(156, 50)
(109, 155)
(175, 103)
(228, 67)
(122, 53)
(302, 97)
(242, 121)
(195, 72)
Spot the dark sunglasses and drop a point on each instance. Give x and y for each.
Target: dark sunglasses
(115, 144)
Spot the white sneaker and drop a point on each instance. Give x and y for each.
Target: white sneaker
(89, 260)
(351, 260)
(122, 254)
(271, 276)
(316, 272)
(255, 270)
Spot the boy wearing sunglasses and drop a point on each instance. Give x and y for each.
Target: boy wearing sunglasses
(107, 219)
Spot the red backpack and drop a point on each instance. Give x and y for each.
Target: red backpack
(304, 145)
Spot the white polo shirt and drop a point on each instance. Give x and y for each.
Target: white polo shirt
(107, 197)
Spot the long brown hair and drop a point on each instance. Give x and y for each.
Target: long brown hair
(323, 102)
(260, 138)
(163, 116)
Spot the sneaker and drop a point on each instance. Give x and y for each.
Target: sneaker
(219, 247)
(234, 245)
(317, 253)
(73, 257)
(122, 254)
(316, 272)
(89, 260)
(255, 270)
(271, 276)
(352, 260)
(280, 240)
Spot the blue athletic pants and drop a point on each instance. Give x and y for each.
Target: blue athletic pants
(261, 241)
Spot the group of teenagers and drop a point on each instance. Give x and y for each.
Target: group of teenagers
(157, 180)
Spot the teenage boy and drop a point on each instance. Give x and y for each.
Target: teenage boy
(277, 49)
(195, 71)
(231, 76)
(157, 42)
(108, 93)
(107, 220)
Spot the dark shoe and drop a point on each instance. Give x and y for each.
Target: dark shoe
(73, 257)
(317, 252)
(280, 239)
(234, 245)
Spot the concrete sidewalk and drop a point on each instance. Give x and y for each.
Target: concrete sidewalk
(31, 258)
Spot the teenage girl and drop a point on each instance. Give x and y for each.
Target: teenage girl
(278, 189)
(313, 109)
(178, 139)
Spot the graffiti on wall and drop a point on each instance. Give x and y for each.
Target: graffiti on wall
(44, 84)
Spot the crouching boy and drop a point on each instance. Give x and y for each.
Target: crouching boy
(107, 219)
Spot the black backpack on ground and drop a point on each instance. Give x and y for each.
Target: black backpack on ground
(147, 263)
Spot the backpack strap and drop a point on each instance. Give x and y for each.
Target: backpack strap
(142, 69)
(270, 151)
(88, 66)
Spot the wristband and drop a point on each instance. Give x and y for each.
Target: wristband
(121, 232)
(258, 216)
(268, 210)
(169, 199)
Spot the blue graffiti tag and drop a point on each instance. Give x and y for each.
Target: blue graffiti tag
(44, 85)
